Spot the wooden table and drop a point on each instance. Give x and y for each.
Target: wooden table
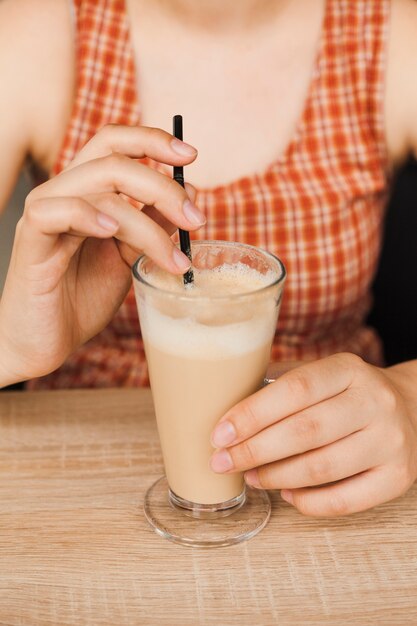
(75, 547)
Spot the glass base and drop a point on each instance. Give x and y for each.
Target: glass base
(206, 511)
(200, 526)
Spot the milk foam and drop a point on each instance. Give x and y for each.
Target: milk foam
(223, 280)
(248, 323)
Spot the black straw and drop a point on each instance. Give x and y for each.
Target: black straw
(179, 177)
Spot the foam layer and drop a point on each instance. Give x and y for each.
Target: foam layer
(223, 280)
(212, 330)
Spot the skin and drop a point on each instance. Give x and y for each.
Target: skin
(235, 61)
(337, 420)
(336, 435)
(67, 268)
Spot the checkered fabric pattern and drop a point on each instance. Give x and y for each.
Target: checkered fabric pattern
(319, 207)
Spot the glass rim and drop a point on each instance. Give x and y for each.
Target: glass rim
(235, 296)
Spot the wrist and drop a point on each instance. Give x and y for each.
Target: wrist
(8, 375)
(404, 378)
(6, 378)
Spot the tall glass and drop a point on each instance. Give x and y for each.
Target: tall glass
(206, 352)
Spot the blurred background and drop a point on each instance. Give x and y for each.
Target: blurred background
(394, 314)
(8, 223)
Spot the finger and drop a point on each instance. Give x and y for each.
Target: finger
(141, 235)
(136, 142)
(191, 191)
(118, 173)
(276, 369)
(346, 457)
(128, 254)
(162, 221)
(312, 428)
(44, 220)
(294, 391)
(348, 496)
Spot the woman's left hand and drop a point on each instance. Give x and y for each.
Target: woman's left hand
(337, 436)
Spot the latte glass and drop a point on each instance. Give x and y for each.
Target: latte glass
(208, 347)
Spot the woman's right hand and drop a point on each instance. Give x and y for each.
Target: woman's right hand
(70, 265)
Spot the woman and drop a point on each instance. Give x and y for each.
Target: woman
(300, 110)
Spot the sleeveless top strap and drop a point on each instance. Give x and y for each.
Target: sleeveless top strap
(105, 90)
(356, 52)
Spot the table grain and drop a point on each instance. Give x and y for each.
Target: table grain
(75, 548)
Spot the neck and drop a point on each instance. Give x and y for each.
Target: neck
(221, 15)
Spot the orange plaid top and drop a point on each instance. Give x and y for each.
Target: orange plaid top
(319, 207)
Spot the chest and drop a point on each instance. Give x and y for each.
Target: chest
(241, 98)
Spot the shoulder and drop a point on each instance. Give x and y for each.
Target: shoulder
(34, 32)
(401, 80)
(37, 65)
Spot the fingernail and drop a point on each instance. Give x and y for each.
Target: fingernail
(223, 435)
(182, 148)
(193, 215)
(251, 478)
(181, 260)
(107, 222)
(287, 496)
(221, 461)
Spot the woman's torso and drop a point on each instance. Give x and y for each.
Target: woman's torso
(317, 199)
